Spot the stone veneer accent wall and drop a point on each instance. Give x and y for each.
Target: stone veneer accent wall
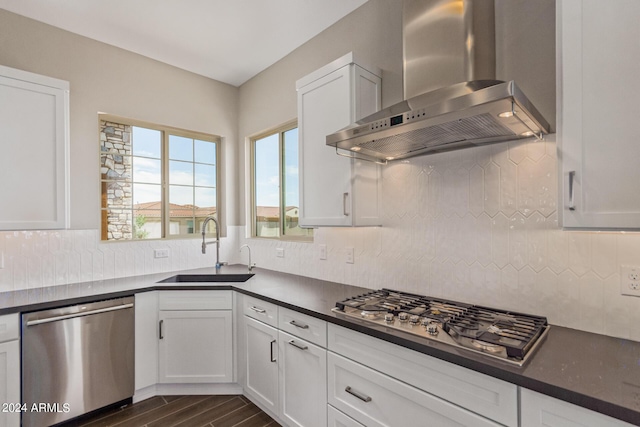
(115, 170)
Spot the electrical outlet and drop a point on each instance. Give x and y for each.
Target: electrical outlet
(630, 280)
(323, 251)
(161, 253)
(280, 252)
(349, 252)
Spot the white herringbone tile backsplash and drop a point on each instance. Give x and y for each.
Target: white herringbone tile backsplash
(481, 226)
(477, 225)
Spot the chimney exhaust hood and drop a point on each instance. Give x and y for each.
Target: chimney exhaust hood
(451, 98)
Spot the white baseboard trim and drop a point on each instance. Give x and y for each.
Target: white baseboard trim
(185, 389)
(145, 393)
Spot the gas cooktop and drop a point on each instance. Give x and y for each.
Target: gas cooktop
(504, 335)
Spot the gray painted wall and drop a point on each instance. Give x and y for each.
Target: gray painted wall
(525, 52)
(107, 79)
(373, 32)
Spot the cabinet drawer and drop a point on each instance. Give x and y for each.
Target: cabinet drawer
(261, 310)
(303, 326)
(485, 395)
(338, 419)
(374, 399)
(539, 410)
(195, 300)
(9, 327)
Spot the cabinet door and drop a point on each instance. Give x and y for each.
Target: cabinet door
(10, 382)
(538, 410)
(33, 164)
(262, 363)
(324, 107)
(146, 339)
(328, 182)
(598, 92)
(303, 382)
(195, 347)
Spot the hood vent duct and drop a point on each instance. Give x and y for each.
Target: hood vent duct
(451, 100)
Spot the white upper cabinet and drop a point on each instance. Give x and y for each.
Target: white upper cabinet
(34, 139)
(336, 190)
(598, 92)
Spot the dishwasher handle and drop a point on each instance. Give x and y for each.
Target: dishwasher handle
(81, 314)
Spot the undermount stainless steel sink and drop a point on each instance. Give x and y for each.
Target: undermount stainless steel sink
(204, 278)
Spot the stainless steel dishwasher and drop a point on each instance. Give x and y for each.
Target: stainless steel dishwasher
(76, 359)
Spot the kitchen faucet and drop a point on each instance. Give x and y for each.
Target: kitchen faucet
(217, 241)
(249, 249)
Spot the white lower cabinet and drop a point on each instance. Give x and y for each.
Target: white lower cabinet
(303, 382)
(261, 370)
(336, 418)
(195, 335)
(492, 398)
(146, 340)
(195, 346)
(10, 370)
(284, 371)
(375, 399)
(538, 410)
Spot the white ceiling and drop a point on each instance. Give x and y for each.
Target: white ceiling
(226, 40)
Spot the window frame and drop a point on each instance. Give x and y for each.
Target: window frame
(280, 130)
(166, 131)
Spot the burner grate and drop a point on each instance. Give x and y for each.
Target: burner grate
(504, 334)
(516, 332)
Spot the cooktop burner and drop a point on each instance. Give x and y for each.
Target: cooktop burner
(501, 334)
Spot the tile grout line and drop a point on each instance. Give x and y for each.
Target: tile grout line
(170, 413)
(213, 407)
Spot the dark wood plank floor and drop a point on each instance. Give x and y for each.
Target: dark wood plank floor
(183, 411)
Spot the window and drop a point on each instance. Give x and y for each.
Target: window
(275, 189)
(157, 182)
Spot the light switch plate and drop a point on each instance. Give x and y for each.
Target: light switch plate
(630, 280)
(349, 255)
(323, 251)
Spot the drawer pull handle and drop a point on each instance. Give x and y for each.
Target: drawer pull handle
(296, 345)
(272, 357)
(360, 396)
(258, 310)
(344, 204)
(299, 325)
(572, 176)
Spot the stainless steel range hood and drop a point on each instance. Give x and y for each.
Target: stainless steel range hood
(452, 101)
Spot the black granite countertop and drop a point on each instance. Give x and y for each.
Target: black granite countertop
(598, 372)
